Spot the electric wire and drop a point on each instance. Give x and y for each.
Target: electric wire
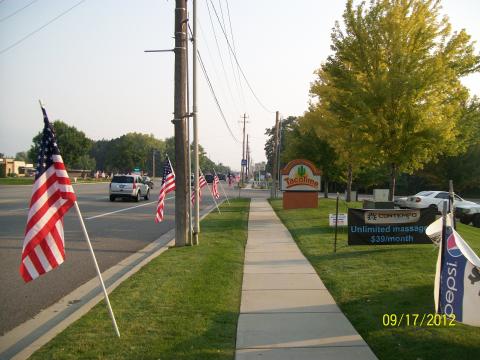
(17, 11)
(220, 56)
(204, 70)
(235, 49)
(41, 27)
(210, 86)
(238, 63)
(229, 53)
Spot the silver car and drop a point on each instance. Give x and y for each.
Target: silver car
(128, 186)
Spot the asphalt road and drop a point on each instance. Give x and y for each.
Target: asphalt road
(117, 230)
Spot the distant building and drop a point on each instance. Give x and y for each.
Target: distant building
(12, 167)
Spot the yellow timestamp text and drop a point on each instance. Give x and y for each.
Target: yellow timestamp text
(418, 320)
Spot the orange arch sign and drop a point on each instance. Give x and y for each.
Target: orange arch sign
(300, 183)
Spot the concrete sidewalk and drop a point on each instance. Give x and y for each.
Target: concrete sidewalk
(286, 311)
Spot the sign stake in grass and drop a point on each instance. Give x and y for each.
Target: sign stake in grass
(336, 227)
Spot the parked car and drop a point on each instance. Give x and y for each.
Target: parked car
(468, 213)
(222, 177)
(128, 186)
(148, 181)
(434, 199)
(401, 202)
(209, 178)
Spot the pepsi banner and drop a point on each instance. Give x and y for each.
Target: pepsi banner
(389, 227)
(457, 281)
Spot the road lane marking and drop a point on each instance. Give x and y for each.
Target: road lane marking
(121, 210)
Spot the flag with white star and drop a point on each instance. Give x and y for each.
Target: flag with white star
(52, 197)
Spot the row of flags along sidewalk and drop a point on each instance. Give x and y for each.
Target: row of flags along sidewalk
(52, 197)
(457, 277)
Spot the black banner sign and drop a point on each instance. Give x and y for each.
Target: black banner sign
(388, 227)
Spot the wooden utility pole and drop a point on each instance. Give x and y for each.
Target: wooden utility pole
(247, 171)
(243, 149)
(273, 190)
(179, 121)
(153, 164)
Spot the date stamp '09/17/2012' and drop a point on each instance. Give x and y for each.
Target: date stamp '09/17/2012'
(418, 320)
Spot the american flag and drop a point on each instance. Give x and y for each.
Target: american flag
(215, 192)
(168, 185)
(52, 196)
(201, 184)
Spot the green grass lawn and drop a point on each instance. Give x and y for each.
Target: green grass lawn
(182, 305)
(30, 180)
(370, 281)
(16, 181)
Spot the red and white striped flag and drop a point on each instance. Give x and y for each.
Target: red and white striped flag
(201, 184)
(168, 185)
(215, 192)
(52, 196)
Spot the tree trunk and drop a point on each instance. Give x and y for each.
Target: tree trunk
(393, 177)
(349, 183)
(326, 188)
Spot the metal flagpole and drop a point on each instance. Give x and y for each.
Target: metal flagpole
(112, 316)
(213, 197)
(224, 193)
(442, 254)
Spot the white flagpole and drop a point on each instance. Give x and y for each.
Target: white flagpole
(213, 197)
(112, 316)
(224, 193)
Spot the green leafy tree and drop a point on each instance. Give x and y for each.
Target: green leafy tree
(21, 156)
(302, 142)
(270, 143)
(132, 150)
(73, 144)
(393, 84)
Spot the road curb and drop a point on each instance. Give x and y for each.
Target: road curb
(22, 341)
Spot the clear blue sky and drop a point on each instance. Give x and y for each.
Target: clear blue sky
(90, 69)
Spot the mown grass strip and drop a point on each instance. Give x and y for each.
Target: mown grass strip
(370, 281)
(182, 305)
(16, 181)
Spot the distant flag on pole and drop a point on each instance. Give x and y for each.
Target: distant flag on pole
(168, 185)
(215, 191)
(201, 184)
(52, 197)
(457, 279)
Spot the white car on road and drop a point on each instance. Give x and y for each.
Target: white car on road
(434, 199)
(128, 186)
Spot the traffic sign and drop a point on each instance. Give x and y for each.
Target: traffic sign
(244, 162)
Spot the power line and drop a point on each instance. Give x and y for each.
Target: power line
(229, 53)
(17, 11)
(202, 65)
(220, 55)
(41, 27)
(236, 60)
(234, 48)
(205, 73)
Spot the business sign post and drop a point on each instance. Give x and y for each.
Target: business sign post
(300, 183)
(387, 227)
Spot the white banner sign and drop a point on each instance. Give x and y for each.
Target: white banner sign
(342, 220)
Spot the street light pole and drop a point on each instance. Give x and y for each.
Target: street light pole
(196, 227)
